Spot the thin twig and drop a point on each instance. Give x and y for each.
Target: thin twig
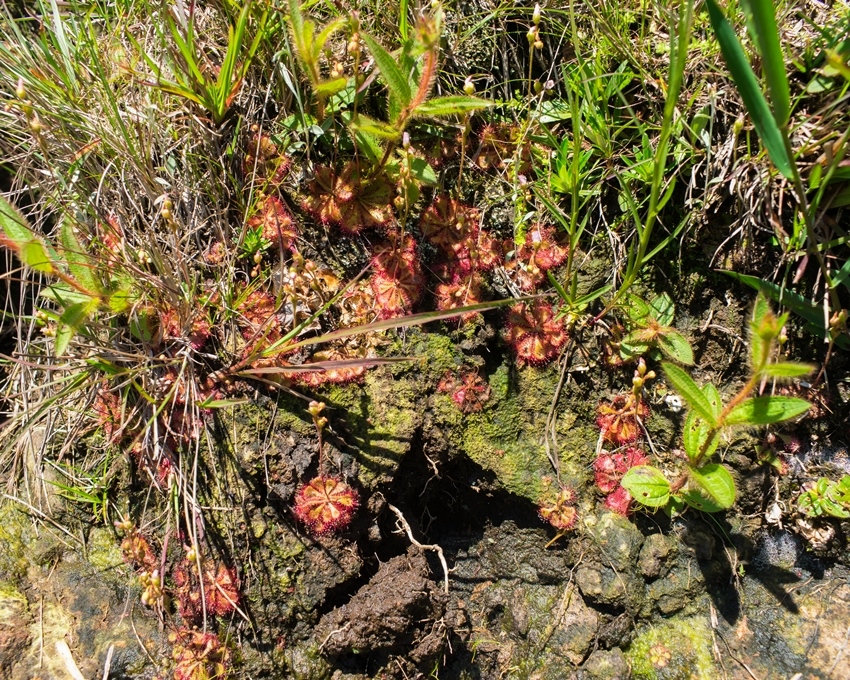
(437, 549)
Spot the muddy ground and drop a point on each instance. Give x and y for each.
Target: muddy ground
(749, 593)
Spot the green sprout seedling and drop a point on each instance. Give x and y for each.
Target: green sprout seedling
(701, 483)
(649, 328)
(827, 498)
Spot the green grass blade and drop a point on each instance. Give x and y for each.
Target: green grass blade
(765, 124)
(402, 19)
(773, 61)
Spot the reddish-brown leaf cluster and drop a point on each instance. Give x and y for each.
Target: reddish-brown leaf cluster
(619, 420)
(326, 504)
(350, 199)
(535, 332)
(331, 375)
(539, 252)
(137, 551)
(467, 389)
(397, 280)
(199, 655)
(191, 326)
(277, 223)
(263, 162)
(609, 469)
(560, 511)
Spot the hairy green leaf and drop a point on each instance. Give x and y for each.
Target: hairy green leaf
(79, 264)
(715, 482)
(422, 172)
(748, 86)
(34, 254)
(700, 501)
(691, 393)
(787, 369)
(374, 127)
(664, 309)
(328, 88)
(14, 224)
(71, 321)
(451, 106)
(695, 434)
(713, 396)
(647, 485)
(392, 74)
(766, 410)
(676, 346)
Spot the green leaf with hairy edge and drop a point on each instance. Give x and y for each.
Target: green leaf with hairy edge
(636, 309)
(787, 369)
(715, 482)
(14, 224)
(695, 434)
(71, 321)
(62, 294)
(700, 501)
(676, 346)
(664, 309)
(772, 59)
(691, 393)
(33, 254)
(451, 106)
(79, 265)
(422, 172)
(647, 486)
(713, 396)
(374, 127)
(331, 28)
(766, 410)
(328, 88)
(296, 22)
(748, 86)
(393, 77)
(631, 346)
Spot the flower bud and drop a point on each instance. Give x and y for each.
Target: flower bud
(537, 13)
(469, 86)
(20, 90)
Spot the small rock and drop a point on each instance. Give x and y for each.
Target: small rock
(653, 555)
(607, 664)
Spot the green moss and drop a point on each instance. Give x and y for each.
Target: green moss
(508, 436)
(104, 551)
(15, 534)
(675, 650)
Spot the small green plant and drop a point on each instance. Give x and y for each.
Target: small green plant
(826, 497)
(81, 288)
(770, 109)
(193, 76)
(701, 483)
(648, 327)
(409, 78)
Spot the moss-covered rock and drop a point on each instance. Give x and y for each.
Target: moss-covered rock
(674, 650)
